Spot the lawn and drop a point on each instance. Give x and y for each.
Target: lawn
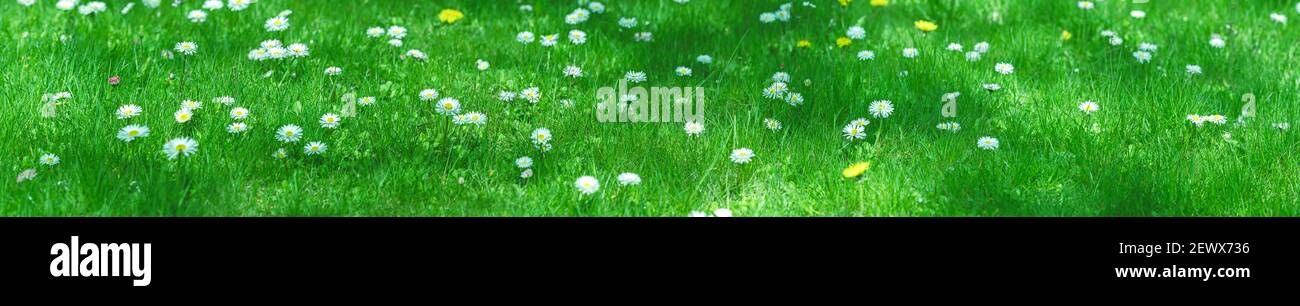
(1093, 115)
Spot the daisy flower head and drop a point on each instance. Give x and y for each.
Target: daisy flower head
(1142, 56)
(128, 111)
(428, 94)
(1196, 120)
(224, 100)
(314, 148)
(572, 71)
(704, 59)
(780, 77)
(981, 47)
(213, 5)
(298, 50)
(1004, 68)
(1148, 47)
(66, 5)
(396, 32)
(578, 15)
(395, 42)
(1217, 119)
(629, 179)
(191, 104)
(506, 96)
(375, 32)
(910, 52)
(541, 136)
(259, 54)
(1086, 5)
(131, 132)
(856, 33)
(288, 133)
(49, 159)
(972, 56)
(524, 162)
(476, 118)
(366, 101)
(683, 71)
(955, 47)
(482, 65)
(187, 48)
(987, 143)
(635, 76)
(881, 108)
(693, 128)
(866, 55)
(596, 7)
(643, 36)
(197, 16)
(532, 94)
(333, 71)
(1116, 40)
(767, 17)
(1137, 14)
(1217, 41)
(1089, 107)
(855, 131)
(860, 121)
(949, 126)
(526, 37)
(183, 115)
(416, 54)
(1193, 69)
(280, 153)
(782, 15)
(772, 124)
(237, 128)
(742, 155)
(794, 98)
(577, 37)
(776, 91)
(448, 106)
(180, 147)
(627, 22)
(550, 40)
(238, 5)
(330, 121)
(587, 185)
(277, 23)
(26, 2)
(239, 113)
(92, 8)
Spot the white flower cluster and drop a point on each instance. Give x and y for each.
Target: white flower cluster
(273, 49)
(782, 14)
(780, 90)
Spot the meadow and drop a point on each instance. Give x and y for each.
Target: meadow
(1065, 108)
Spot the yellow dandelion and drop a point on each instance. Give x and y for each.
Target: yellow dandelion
(843, 42)
(1065, 35)
(450, 16)
(856, 169)
(845, 2)
(925, 26)
(879, 2)
(804, 43)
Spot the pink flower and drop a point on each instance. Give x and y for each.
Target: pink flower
(113, 80)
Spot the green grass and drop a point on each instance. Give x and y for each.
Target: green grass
(401, 158)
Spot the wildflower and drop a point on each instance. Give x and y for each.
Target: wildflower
(949, 126)
(855, 131)
(280, 153)
(629, 179)
(525, 37)
(239, 113)
(704, 59)
(330, 121)
(375, 32)
(742, 155)
(925, 26)
(1217, 41)
(1137, 14)
(183, 115)
(683, 71)
(187, 47)
(288, 133)
(128, 111)
(532, 94)
(577, 37)
(856, 169)
(1193, 69)
(396, 32)
(987, 143)
(804, 44)
(772, 124)
(450, 16)
(237, 127)
(448, 106)
(1066, 35)
(572, 71)
(1196, 120)
(277, 23)
(694, 128)
(587, 185)
(26, 175)
(178, 147)
(333, 71)
(866, 55)
(131, 132)
(49, 159)
(524, 162)
(627, 22)
(1142, 56)
(910, 52)
(881, 108)
(1089, 107)
(972, 56)
(856, 33)
(722, 213)
(1085, 5)
(428, 95)
(550, 40)
(197, 16)
(635, 76)
(541, 136)
(482, 65)
(1004, 68)
(314, 148)
(843, 42)
(879, 3)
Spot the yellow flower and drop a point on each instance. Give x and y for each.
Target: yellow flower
(925, 26)
(1065, 35)
(843, 42)
(856, 169)
(450, 16)
(845, 2)
(804, 43)
(879, 2)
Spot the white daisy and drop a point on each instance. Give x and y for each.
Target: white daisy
(183, 115)
(694, 128)
(191, 104)
(333, 71)
(1089, 107)
(860, 121)
(1004, 68)
(524, 162)
(448, 106)
(428, 95)
(683, 71)
(49, 159)
(177, 147)
(131, 132)
(1217, 41)
(635, 76)
(1116, 40)
(395, 42)
(314, 148)
(66, 5)
(987, 143)
(288, 133)
(704, 59)
(577, 37)
(396, 32)
(742, 155)
(187, 47)
(482, 65)
(722, 213)
(794, 98)
(855, 132)
(1148, 47)
(1142, 56)
(881, 108)
(910, 52)
(128, 111)
(627, 22)
(587, 185)
(991, 86)
(197, 16)
(526, 37)
(476, 118)
(277, 23)
(366, 101)
(506, 96)
(298, 50)
(541, 136)
(766, 17)
(225, 100)
(629, 179)
(330, 121)
(1193, 69)
(527, 173)
(981, 47)
(955, 47)
(237, 5)
(1137, 14)
(213, 5)
(550, 40)
(532, 94)
(866, 55)
(237, 127)
(1086, 5)
(856, 33)
(573, 71)
(972, 56)
(375, 32)
(239, 113)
